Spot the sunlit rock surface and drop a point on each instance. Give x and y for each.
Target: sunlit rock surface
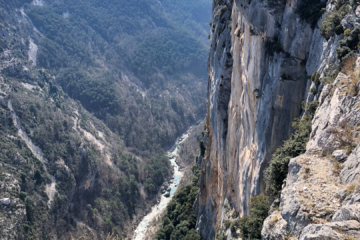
(253, 96)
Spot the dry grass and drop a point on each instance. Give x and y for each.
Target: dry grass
(352, 87)
(350, 190)
(112, 237)
(344, 135)
(337, 168)
(348, 67)
(273, 220)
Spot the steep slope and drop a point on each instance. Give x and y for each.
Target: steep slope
(261, 58)
(127, 60)
(254, 93)
(82, 132)
(320, 197)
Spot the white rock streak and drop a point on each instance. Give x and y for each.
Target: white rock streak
(36, 151)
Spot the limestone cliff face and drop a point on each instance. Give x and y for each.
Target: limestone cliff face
(321, 197)
(254, 94)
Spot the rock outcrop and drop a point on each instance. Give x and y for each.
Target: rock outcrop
(321, 197)
(261, 58)
(253, 96)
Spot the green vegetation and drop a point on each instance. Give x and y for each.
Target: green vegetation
(29, 173)
(52, 130)
(161, 45)
(251, 225)
(310, 107)
(99, 44)
(330, 78)
(311, 11)
(179, 221)
(221, 10)
(155, 173)
(315, 77)
(293, 147)
(331, 22)
(94, 94)
(348, 46)
(112, 196)
(220, 236)
(174, 51)
(347, 33)
(104, 68)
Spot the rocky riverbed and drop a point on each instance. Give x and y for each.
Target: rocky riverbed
(167, 191)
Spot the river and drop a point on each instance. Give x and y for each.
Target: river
(158, 209)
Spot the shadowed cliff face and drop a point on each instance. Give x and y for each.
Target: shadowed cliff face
(254, 93)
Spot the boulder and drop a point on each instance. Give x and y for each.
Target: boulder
(333, 231)
(5, 201)
(340, 155)
(167, 194)
(2, 102)
(350, 212)
(357, 12)
(274, 227)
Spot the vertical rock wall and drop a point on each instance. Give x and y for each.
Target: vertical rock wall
(254, 93)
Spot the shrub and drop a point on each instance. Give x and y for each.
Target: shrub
(179, 221)
(347, 32)
(221, 10)
(343, 53)
(339, 29)
(315, 77)
(235, 214)
(348, 47)
(112, 237)
(234, 226)
(293, 147)
(310, 107)
(220, 236)
(331, 22)
(251, 225)
(344, 135)
(313, 90)
(331, 78)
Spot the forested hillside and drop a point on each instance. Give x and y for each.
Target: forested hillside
(91, 94)
(122, 59)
